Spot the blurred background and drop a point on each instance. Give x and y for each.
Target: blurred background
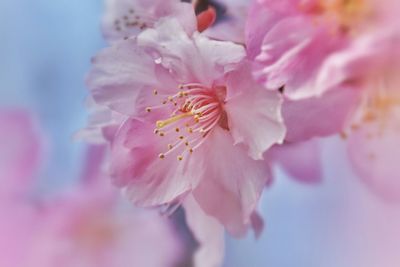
(45, 52)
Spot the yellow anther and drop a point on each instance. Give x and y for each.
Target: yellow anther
(170, 146)
(180, 158)
(156, 131)
(191, 150)
(161, 156)
(177, 129)
(162, 133)
(181, 137)
(190, 130)
(148, 109)
(186, 143)
(170, 98)
(164, 102)
(155, 92)
(161, 124)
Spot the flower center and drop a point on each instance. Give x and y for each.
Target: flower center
(194, 111)
(345, 13)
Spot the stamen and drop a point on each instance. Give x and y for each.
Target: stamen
(195, 108)
(161, 124)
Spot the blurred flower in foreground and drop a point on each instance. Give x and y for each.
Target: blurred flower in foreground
(84, 226)
(92, 229)
(336, 65)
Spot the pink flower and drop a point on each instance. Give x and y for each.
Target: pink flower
(291, 40)
(373, 131)
(88, 226)
(19, 154)
(195, 122)
(85, 227)
(335, 62)
(126, 18)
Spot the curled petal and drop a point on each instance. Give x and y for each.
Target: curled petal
(254, 113)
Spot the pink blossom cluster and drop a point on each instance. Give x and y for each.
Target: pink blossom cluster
(198, 101)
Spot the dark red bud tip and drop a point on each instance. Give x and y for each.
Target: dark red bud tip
(206, 18)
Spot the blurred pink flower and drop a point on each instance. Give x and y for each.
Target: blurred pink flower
(20, 152)
(335, 64)
(127, 18)
(373, 131)
(195, 122)
(88, 227)
(291, 40)
(84, 227)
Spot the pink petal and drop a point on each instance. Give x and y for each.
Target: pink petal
(208, 232)
(120, 73)
(195, 59)
(301, 160)
(261, 18)
(149, 180)
(257, 223)
(363, 58)
(294, 61)
(320, 115)
(254, 113)
(231, 182)
(373, 150)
